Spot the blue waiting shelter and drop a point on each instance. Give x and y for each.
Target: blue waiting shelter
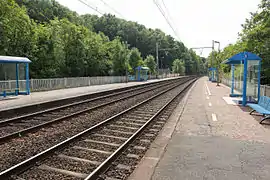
(141, 73)
(15, 63)
(251, 75)
(212, 73)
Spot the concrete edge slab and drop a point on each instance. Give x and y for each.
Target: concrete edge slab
(148, 163)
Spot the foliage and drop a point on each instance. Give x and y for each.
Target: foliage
(45, 10)
(150, 63)
(16, 30)
(144, 39)
(135, 58)
(255, 38)
(178, 67)
(61, 43)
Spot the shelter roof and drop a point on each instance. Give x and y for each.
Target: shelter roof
(12, 59)
(240, 57)
(212, 69)
(142, 68)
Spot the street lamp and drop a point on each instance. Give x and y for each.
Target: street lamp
(127, 61)
(217, 42)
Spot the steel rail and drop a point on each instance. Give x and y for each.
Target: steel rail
(36, 127)
(22, 166)
(105, 164)
(18, 118)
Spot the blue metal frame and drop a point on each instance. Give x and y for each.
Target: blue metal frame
(259, 80)
(232, 88)
(244, 102)
(243, 58)
(27, 78)
(139, 70)
(17, 61)
(212, 71)
(17, 76)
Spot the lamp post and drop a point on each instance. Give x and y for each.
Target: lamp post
(127, 62)
(217, 61)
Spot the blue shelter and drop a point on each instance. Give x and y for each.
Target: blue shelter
(212, 74)
(251, 75)
(19, 64)
(141, 73)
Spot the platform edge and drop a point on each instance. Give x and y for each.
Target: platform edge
(146, 167)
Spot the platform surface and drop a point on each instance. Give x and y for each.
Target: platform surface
(45, 96)
(214, 140)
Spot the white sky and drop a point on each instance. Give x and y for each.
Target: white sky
(197, 22)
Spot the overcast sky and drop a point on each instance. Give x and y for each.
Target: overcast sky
(197, 22)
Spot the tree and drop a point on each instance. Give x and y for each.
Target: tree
(255, 37)
(61, 43)
(119, 54)
(135, 58)
(16, 30)
(150, 63)
(178, 67)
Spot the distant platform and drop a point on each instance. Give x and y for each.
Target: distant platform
(211, 138)
(12, 102)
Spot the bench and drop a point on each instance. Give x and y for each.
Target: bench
(263, 107)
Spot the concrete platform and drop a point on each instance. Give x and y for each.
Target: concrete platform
(212, 140)
(46, 96)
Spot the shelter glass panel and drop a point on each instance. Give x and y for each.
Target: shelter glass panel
(252, 78)
(238, 78)
(8, 76)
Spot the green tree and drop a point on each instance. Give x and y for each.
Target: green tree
(135, 58)
(150, 63)
(16, 30)
(178, 67)
(61, 43)
(255, 37)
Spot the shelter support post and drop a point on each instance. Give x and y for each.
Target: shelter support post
(232, 88)
(27, 78)
(245, 81)
(17, 76)
(259, 80)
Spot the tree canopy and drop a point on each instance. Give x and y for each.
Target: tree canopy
(255, 38)
(178, 67)
(61, 43)
(150, 63)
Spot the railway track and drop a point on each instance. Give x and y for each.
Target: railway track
(12, 113)
(21, 125)
(89, 153)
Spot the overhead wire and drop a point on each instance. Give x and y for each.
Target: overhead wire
(170, 17)
(117, 12)
(165, 17)
(93, 8)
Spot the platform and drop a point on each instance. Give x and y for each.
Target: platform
(210, 139)
(46, 96)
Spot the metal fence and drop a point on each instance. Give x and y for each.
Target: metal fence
(162, 76)
(62, 83)
(265, 90)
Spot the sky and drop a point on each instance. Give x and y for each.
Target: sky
(197, 22)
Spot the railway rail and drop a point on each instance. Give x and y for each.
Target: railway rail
(21, 125)
(88, 154)
(28, 109)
